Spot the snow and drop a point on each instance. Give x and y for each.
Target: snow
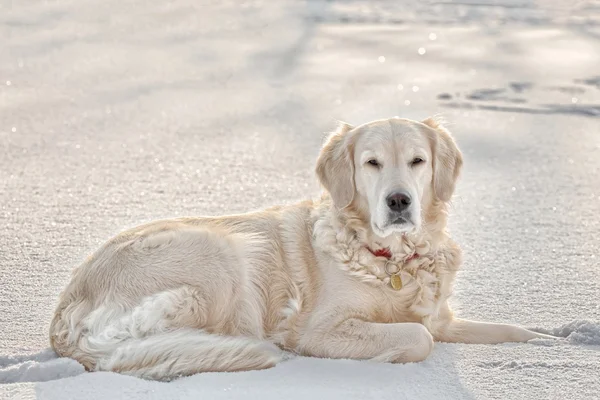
(36, 370)
(576, 332)
(114, 113)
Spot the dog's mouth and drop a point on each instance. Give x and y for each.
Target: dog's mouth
(401, 221)
(397, 225)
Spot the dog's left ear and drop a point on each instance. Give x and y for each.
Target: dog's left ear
(335, 166)
(447, 160)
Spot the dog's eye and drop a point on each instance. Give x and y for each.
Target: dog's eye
(374, 163)
(417, 161)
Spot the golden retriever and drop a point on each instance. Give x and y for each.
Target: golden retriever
(363, 273)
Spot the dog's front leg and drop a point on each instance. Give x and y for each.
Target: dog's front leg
(465, 331)
(358, 339)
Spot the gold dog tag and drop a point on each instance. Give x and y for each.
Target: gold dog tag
(396, 281)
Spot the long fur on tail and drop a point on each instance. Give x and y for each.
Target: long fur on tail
(185, 352)
(155, 340)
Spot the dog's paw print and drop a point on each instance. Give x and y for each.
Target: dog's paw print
(525, 97)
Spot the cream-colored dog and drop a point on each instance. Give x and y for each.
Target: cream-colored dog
(363, 273)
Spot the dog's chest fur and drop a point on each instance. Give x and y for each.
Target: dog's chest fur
(425, 267)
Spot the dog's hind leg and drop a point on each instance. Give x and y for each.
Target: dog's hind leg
(161, 339)
(165, 337)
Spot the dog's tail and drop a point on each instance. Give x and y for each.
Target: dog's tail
(184, 352)
(147, 343)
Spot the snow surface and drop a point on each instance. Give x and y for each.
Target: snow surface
(114, 113)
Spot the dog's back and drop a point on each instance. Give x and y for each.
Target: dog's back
(178, 297)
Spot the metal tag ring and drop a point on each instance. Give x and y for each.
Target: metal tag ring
(387, 268)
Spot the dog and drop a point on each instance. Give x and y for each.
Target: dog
(364, 272)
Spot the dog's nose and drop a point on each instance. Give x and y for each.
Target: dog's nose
(398, 201)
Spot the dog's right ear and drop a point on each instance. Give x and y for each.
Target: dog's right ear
(335, 166)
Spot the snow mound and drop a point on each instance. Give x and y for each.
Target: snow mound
(39, 367)
(576, 332)
(44, 355)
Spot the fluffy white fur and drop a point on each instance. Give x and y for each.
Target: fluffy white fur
(188, 295)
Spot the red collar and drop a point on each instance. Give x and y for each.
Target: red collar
(385, 252)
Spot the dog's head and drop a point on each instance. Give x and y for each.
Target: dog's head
(391, 170)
